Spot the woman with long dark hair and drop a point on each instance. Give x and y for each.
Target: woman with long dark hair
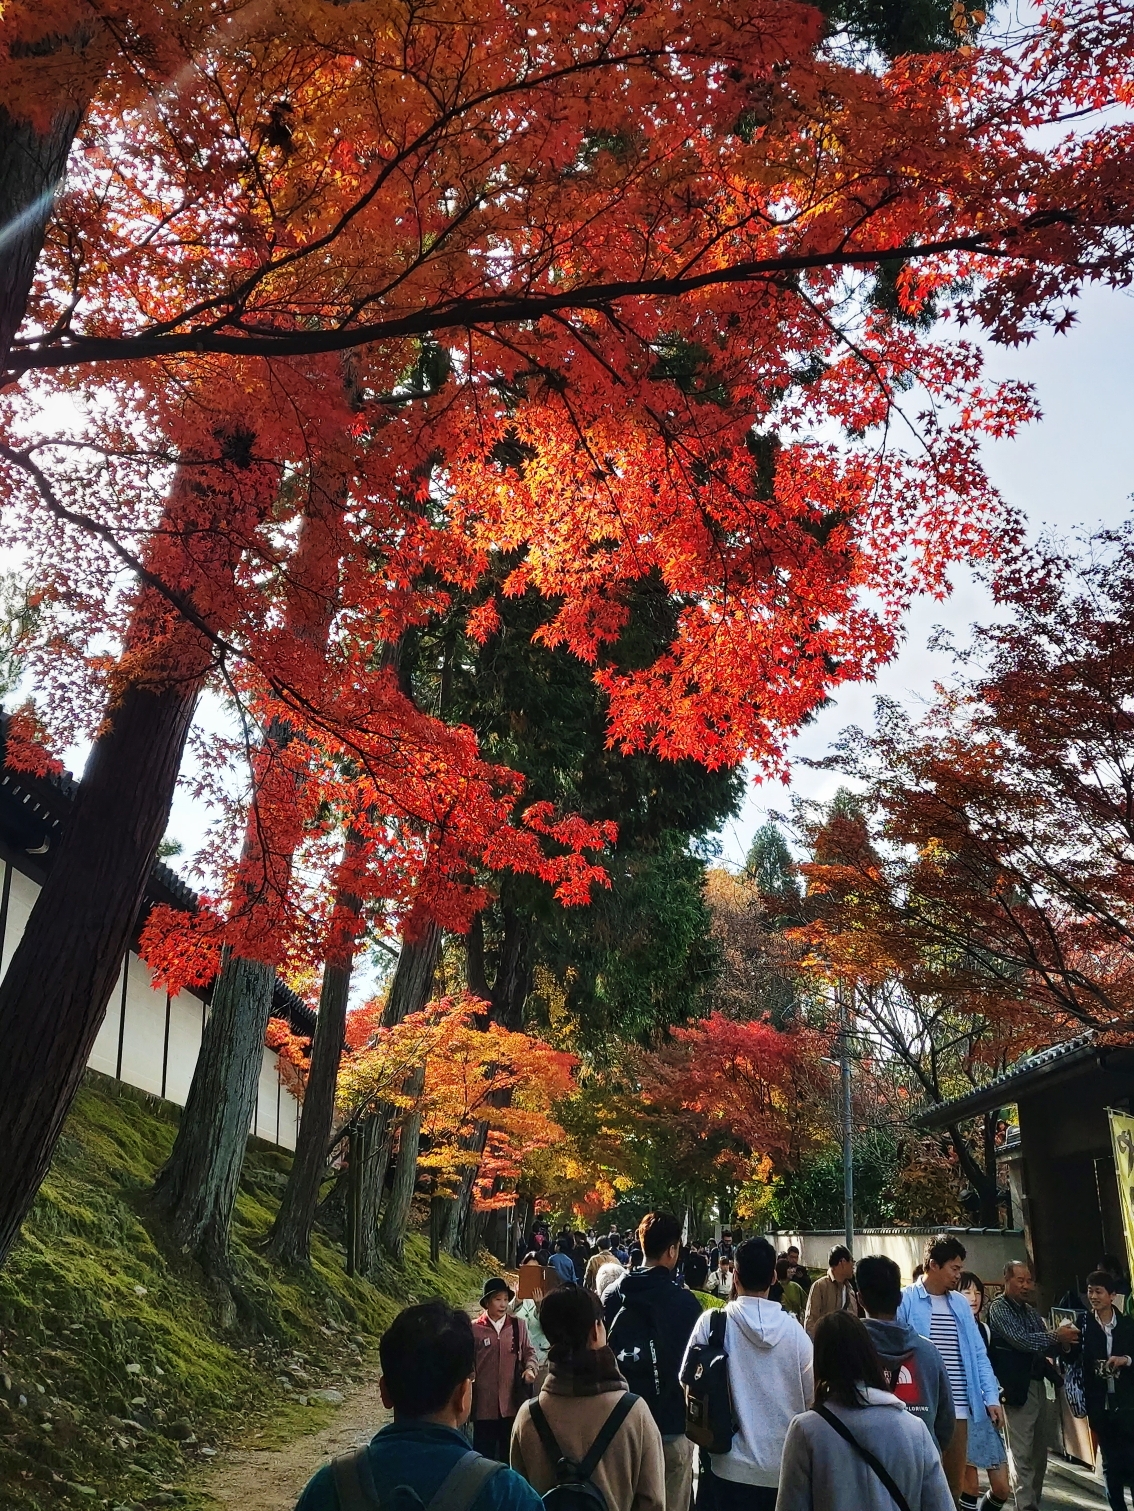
(584, 1410)
(857, 1449)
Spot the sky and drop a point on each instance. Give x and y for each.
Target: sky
(1071, 471)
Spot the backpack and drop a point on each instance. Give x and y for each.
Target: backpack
(638, 1350)
(574, 1489)
(357, 1491)
(709, 1418)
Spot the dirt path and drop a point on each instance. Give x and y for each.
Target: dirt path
(270, 1479)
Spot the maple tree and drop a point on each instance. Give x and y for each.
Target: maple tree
(590, 270)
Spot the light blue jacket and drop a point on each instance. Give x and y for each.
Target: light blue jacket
(983, 1388)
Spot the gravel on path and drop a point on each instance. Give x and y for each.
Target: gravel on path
(270, 1479)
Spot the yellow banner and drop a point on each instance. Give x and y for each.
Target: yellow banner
(1122, 1139)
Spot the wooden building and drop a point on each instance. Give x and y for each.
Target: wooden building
(1060, 1168)
(148, 1038)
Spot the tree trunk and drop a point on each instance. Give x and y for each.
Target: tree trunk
(456, 1222)
(290, 1241)
(437, 1205)
(392, 1234)
(32, 164)
(409, 992)
(53, 997)
(982, 1181)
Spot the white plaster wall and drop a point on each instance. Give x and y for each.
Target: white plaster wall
(986, 1253)
(143, 1030)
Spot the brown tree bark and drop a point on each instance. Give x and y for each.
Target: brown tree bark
(395, 1219)
(290, 1240)
(53, 997)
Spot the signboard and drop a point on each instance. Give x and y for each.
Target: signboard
(1122, 1138)
(534, 1282)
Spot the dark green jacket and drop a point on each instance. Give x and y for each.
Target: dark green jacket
(418, 1455)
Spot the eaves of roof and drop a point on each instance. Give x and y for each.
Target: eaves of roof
(1048, 1066)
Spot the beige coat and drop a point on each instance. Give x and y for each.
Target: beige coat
(825, 1296)
(630, 1474)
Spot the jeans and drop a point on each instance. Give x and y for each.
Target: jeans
(731, 1496)
(492, 1436)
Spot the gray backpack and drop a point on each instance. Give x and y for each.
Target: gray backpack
(457, 1491)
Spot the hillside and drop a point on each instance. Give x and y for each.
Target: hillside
(116, 1377)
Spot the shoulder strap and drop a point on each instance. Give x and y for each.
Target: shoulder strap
(864, 1453)
(546, 1436)
(623, 1407)
(464, 1482)
(717, 1320)
(354, 1484)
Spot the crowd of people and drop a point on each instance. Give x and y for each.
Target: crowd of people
(847, 1392)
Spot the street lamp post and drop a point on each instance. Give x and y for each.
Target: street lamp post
(848, 1148)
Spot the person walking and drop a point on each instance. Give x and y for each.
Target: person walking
(825, 1465)
(427, 1355)
(719, 1282)
(649, 1318)
(833, 1292)
(583, 1396)
(769, 1377)
(914, 1370)
(933, 1308)
(1108, 1384)
(798, 1272)
(562, 1260)
(528, 1309)
(696, 1278)
(1022, 1351)
(505, 1365)
(971, 1287)
(792, 1297)
(594, 1265)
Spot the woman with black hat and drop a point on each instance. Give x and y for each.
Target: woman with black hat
(505, 1370)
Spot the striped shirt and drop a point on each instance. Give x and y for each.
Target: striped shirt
(943, 1335)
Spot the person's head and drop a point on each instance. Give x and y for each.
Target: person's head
(565, 1245)
(792, 1253)
(944, 1261)
(696, 1272)
(1112, 1265)
(846, 1361)
(1018, 1282)
(571, 1320)
(754, 1265)
(530, 1258)
(918, 1272)
(659, 1233)
(497, 1294)
(879, 1286)
(840, 1264)
(607, 1274)
(971, 1287)
(428, 1356)
(783, 1268)
(635, 1258)
(1102, 1288)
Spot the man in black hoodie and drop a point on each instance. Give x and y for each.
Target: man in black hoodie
(913, 1366)
(649, 1318)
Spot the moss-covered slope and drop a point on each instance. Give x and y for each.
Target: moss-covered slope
(115, 1372)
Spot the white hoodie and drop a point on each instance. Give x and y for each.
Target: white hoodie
(770, 1376)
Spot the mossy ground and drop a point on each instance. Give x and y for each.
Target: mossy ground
(111, 1348)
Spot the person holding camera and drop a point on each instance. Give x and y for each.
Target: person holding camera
(1108, 1384)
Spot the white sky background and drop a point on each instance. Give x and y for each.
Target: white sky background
(1072, 471)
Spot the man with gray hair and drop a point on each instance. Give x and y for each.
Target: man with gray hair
(1022, 1350)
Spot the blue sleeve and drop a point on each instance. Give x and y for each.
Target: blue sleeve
(905, 1309)
(507, 1491)
(320, 1494)
(989, 1384)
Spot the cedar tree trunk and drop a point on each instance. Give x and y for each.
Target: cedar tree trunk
(290, 1240)
(392, 1233)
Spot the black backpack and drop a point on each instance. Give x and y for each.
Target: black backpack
(638, 1350)
(574, 1489)
(709, 1418)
